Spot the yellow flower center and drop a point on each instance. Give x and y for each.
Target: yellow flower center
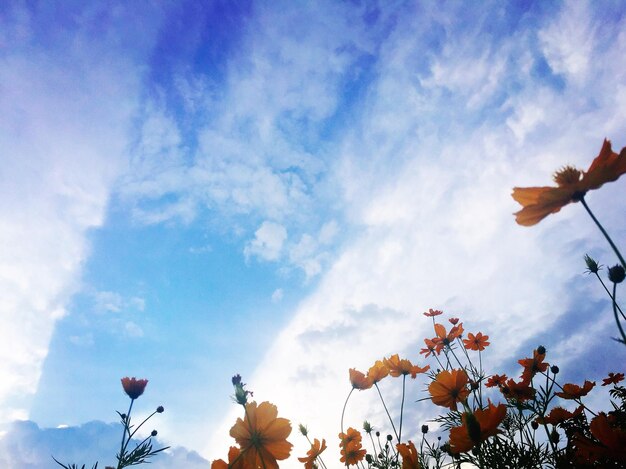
(567, 176)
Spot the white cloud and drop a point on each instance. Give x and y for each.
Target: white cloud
(268, 241)
(433, 225)
(277, 295)
(133, 330)
(66, 109)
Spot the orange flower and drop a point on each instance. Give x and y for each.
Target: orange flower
(521, 391)
(134, 387)
(453, 321)
(476, 342)
(432, 313)
(351, 451)
(432, 347)
(476, 427)
(496, 380)
(611, 440)
(573, 391)
(313, 453)
(613, 378)
(572, 185)
(559, 415)
(359, 380)
(234, 461)
(262, 436)
(446, 338)
(398, 367)
(377, 372)
(410, 456)
(534, 365)
(449, 387)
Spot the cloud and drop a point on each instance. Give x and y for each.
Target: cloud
(268, 241)
(426, 175)
(277, 295)
(26, 446)
(69, 100)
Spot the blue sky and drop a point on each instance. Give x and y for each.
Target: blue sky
(280, 189)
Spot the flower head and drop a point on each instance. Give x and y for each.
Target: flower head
(313, 453)
(573, 391)
(558, 415)
(431, 313)
(262, 436)
(402, 367)
(476, 427)
(534, 365)
(351, 450)
(476, 342)
(377, 372)
(449, 388)
(134, 387)
(410, 456)
(572, 185)
(496, 380)
(446, 338)
(521, 391)
(613, 378)
(359, 380)
(617, 274)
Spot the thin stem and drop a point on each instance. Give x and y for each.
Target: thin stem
(343, 444)
(388, 414)
(619, 326)
(606, 235)
(402, 408)
(610, 296)
(126, 429)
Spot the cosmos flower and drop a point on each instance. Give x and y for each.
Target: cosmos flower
(476, 342)
(534, 365)
(432, 347)
(410, 456)
(610, 440)
(262, 436)
(521, 391)
(613, 378)
(359, 380)
(573, 391)
(476, 427)
(234, 461)
(446, 338)
(350, 444)
(431, 313)
(559, 415)
(496, 380)
(402, 367)
(572, 185)
(449, 388)
(134, 387)
(377, 372)
(313, 453)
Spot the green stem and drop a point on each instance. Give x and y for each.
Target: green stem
(388, 414)
(610, 296)
(126, 430)
(606, 235)
(619, 326)
(402, 408)
(345, 404)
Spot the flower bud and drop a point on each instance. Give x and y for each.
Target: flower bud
(367, 427)
(389, 438)
(369, 459)
(160, 409)
(554, 436)
(617, 274)
(153, 433)
(534, 424)
(424, 429)
(377, 433)
(554, 369)
(303, 430)
(592, 265)
(541, 350)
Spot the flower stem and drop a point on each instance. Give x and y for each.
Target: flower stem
(610, 296)
(402, 407)
(126, 430)
(606, 235)
(619, 326)
(388, 414)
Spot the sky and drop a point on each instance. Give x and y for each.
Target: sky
(280, 189)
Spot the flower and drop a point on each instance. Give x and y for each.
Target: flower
(476, 342)
(453, 321)
(613, 378)
(449, 387)
(134, 387)
(234, 461)
(573, 391)
(431, 348)
(432, 313)
(496, 380)
(572, 185)
(262, 436)
(377, 372)
(445, 338)
(402, 367)
(359, 380)
(410, 456)
(351, 451)
(611, 440)
(534, 365)
(559, 415)
(313, 453)
(521, 391)
(476, 427)
(617, 274)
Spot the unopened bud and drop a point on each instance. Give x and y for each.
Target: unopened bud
(160, 409)
(541, 350)
(424, 429)
(303, 430)
(592, 265)
(617, 274)
(534, 424)
(554, 369)
(154, 433)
